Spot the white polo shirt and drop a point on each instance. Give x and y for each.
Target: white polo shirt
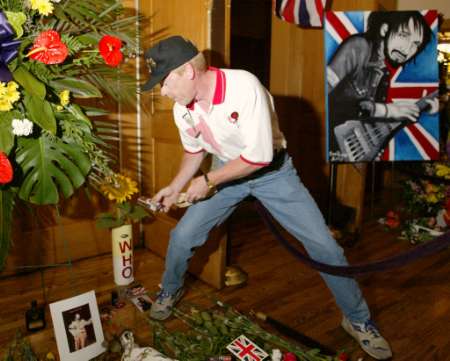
(241, 121)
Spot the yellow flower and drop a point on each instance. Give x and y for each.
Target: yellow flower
(44, 7)
(430, 188)
(119, 189)
(8, 95)
(442, 170)
(431, 198)
(11, 92)
(64, 97)
(5, 105)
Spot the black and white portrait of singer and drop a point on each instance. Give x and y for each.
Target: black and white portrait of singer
(382, 76)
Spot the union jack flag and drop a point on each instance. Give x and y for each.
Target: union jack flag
(246, 350)
(410, 82)
(306, 13)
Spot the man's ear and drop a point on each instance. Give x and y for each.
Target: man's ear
(384, 29)
(189, 71)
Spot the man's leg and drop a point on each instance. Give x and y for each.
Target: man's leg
(191, 232)
(283, 194)
(193, 229)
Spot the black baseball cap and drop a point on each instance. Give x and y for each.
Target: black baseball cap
(166, 56)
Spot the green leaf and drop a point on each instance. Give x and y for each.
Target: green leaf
(94, 112)
(40, 112)
(16, 20)
(78, 87)
(6, 209)
(107, 220)
(50, 166)
(76, 111)
(138, 213)
(6, 134)
(29, 82)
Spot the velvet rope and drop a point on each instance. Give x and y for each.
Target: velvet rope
(426, 249)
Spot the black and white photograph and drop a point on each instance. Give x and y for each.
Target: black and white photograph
(77, 327)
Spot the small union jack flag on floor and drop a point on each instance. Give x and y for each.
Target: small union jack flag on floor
(246, 350)
(414, 80)
(305, 13)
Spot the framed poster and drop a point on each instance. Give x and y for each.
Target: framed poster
(77, 326)
(381, 86)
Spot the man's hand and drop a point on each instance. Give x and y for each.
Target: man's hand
(166, 197)
(198, 189)
(403, 110)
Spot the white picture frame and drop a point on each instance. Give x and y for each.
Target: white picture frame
(77, 326)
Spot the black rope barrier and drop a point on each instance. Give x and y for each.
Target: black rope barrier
(426, 249)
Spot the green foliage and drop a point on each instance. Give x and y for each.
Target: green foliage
(32, 85)
(49, 166)
(126, 213)
(211, 330)
(6, 135)
(63, 150)
(6, 209)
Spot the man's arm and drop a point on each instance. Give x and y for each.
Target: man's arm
(232, 170)
(190, 164)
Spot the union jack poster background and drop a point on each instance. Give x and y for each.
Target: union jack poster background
(305, 13)
(417, 141)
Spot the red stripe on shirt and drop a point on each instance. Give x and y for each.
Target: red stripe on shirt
(201, 150)
(254, 163)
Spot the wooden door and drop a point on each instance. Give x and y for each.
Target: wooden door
(162, 152)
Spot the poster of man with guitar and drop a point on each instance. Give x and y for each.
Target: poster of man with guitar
(382, 80)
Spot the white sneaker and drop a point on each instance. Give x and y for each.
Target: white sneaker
(369, 338)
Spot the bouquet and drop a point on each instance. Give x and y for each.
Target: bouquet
(53, 55)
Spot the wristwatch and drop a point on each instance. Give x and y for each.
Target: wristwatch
(211, 185)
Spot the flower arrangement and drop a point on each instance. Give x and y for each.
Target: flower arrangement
(425, 210)
(120, 190)
(54, 54)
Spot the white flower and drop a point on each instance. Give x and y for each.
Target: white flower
(56, 1)
(22, 127)
(276, 355)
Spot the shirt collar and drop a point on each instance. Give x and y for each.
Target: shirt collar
(219, 92)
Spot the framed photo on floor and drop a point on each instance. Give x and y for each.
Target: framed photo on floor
(77, 327)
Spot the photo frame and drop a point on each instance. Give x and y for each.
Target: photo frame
(77, 327)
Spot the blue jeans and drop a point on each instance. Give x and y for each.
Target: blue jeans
(290, 203)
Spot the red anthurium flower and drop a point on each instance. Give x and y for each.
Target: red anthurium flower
(6, 171)
(109, 48)
(48, 48)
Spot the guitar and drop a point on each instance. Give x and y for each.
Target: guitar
(365, 140)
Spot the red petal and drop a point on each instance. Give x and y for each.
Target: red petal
(6, 171)
(55, 51)
(109, 48)
(114, 58)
